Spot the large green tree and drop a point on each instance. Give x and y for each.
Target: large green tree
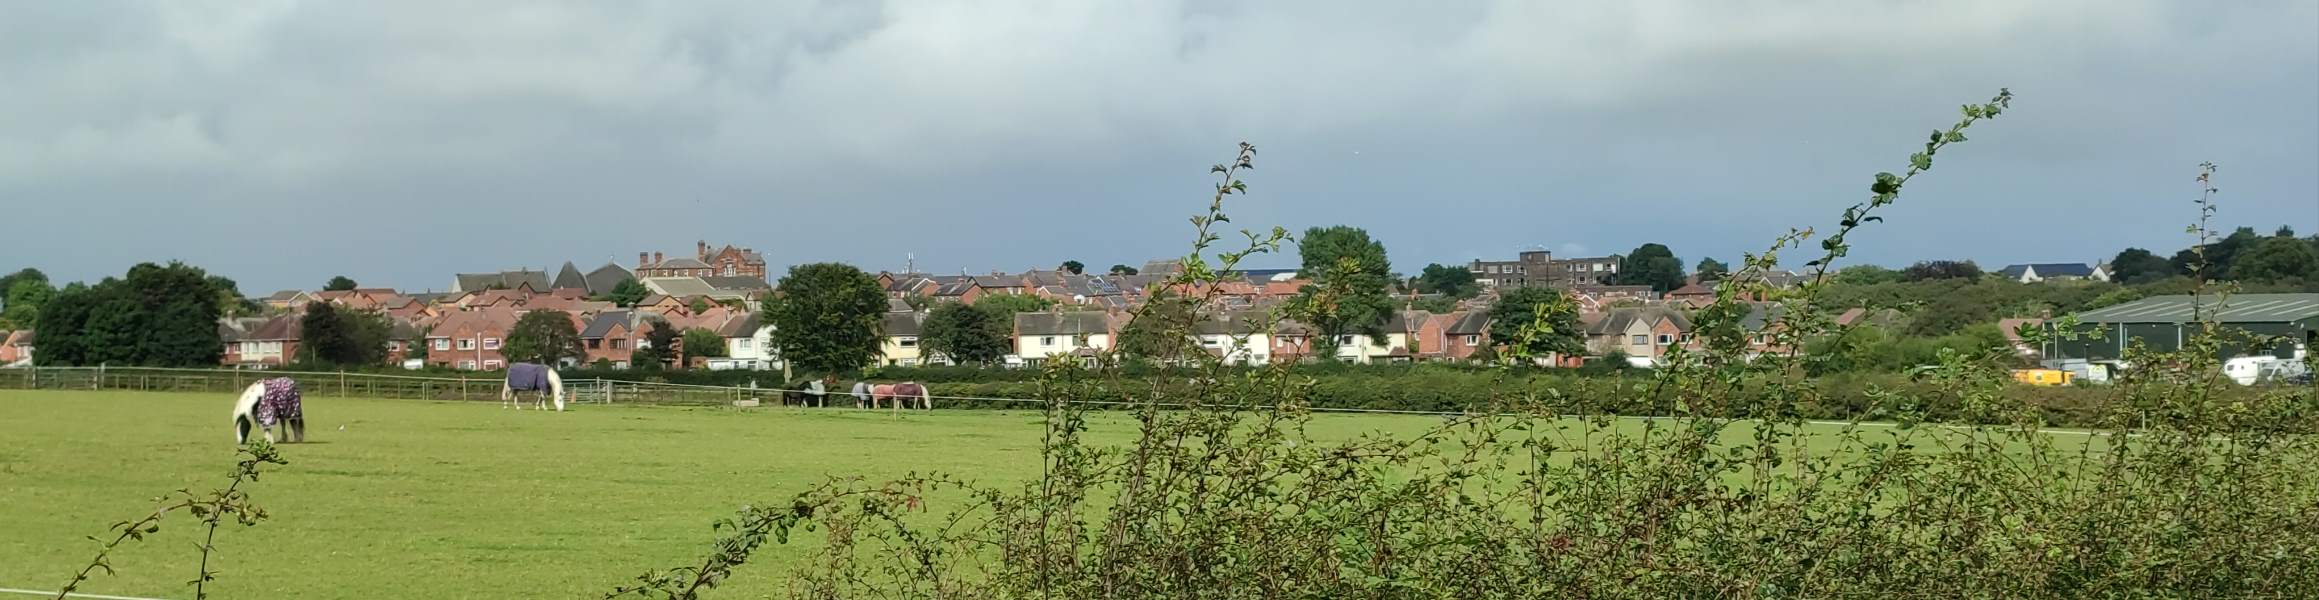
(826, 316)
(156, 315)
(335, 336)
(2276, 260)
(967, 334)
(1074, 267)
(1123, 270)
(1928, 270)
(627, 293)
(1349, 274)
(1162, 329)
(700, 342)
(2135, 265)
(544, 337)
(20, 302)
(1865, 275)
(338, 284)
(1652, 265)
(1454, 282)
(1517, 317)
(1712, 270)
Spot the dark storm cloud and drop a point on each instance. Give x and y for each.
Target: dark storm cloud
(283, 142)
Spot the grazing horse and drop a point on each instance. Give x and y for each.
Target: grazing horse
(901, 394)
(266, 404)
(908, 390)
(528, 377)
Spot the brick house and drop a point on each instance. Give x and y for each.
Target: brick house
(1454, 336)
(260, 342)
(470, 339)
(728, 261)
(1643, 334)
(15, 346)
(611, 336)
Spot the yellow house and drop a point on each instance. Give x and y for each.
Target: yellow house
(1043, 335)
(899, 344)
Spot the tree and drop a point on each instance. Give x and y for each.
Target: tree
(22, 302)
(628, 292)
(700, 342)
(1434, 304)
(826, 316)
(1009, 304)
(1516, 317)
(338, 284)
(1074, 267)
(544, 337)
(1123, 270)
(700, 304)
(662, 338)
(330, 335)
(974, 334)
(2276, 260)
(156, 315)
(1941, 269)
(1866, 275)
(2135, 265)
(917, 301)
(1454, 282)
(9, 280)
(1349, 274)
(1652, 265)
(1712, 270)
(1162, 330)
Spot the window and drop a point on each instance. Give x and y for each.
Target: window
(1641, 339)
(467, 344)
(491, 343)
(742, 344)
(906, 342)
(1047, 340)
(619, 343)
(1344, 340)
(596, 343)
(249, 347)
(1665, 339)
(620, 364)
(467, 364)
(1473, 340)
(491, 364)
(1209, 342)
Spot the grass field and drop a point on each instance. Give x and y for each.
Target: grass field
(415, 499)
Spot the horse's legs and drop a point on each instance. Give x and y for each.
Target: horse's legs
(296, 429)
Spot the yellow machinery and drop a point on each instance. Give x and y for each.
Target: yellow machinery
(2044, 376)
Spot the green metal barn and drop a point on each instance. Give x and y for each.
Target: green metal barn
(2164, 323)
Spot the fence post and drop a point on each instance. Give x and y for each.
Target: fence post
(462, 387)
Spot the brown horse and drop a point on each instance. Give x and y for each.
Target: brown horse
(901, 394)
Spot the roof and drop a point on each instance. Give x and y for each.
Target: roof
(1469, 322)
(507, 279)
(2049, 270)
(1616, 320)
(569, 278)
(903, 323)
(283, 296)
(1062, 323)
(280, 328)
(679, 263)
(898, 305)
(742, 326)
(604, 278)
(1693, 289)
(741, 284)
(2242, 308)
(998, 281)
(687, 287)
(604, 322)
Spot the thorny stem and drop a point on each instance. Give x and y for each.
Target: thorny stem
(212, 509)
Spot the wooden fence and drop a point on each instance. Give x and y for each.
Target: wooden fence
(367, 385)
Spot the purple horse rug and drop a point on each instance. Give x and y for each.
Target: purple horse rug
(527, 377)
(279, 403)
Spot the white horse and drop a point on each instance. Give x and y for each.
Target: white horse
(267, 404)
(528, 377)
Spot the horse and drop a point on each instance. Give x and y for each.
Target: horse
(268, 403)
(528, 377)
(901, 394)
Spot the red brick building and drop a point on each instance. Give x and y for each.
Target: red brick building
(729, 261)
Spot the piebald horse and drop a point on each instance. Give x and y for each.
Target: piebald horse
(528, 377)
(267, 404)
(901, 394)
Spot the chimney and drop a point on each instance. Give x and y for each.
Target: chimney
(656, 258)
(703, 245)
(643, 259)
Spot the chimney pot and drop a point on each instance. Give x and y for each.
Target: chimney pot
(641, 259)
(656, 258)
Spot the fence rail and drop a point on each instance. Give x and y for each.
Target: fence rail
(368, 385)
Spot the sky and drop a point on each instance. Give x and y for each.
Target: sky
(281, 142)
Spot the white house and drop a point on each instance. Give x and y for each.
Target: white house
(1237, 337)
(748, 346)
(2033, 273)
(1044, 335)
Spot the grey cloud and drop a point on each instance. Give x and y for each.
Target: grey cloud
(396, 141)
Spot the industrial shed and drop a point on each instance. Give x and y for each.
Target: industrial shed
(2165, 323)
